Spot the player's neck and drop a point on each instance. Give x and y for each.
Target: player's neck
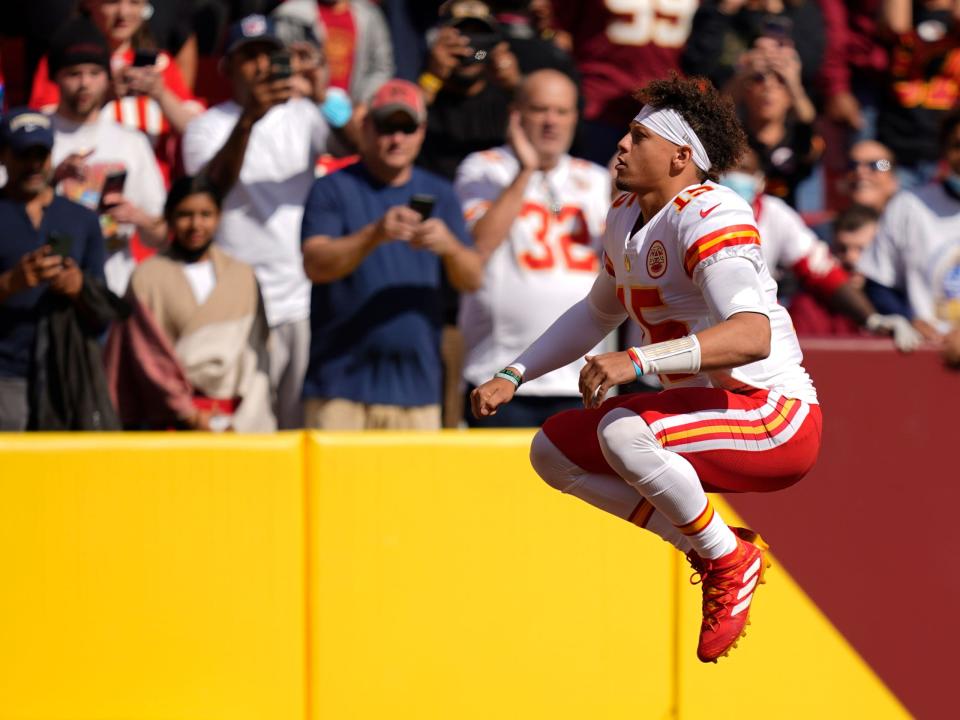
(652, 200)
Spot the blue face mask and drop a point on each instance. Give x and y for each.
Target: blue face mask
(953, 182)
(743, 184)
(336, 108)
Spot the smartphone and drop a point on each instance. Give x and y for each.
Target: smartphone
(280, 68)
(423, 204)
(113, 183)
(145, 58)
(60, 243)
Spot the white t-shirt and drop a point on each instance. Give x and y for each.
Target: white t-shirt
(547, 262)
(658, 270)
(115, 148)
(263, 212)
(202, 278)
(917, 251)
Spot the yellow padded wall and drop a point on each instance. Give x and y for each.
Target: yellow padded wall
(447, 581)
(152, 577)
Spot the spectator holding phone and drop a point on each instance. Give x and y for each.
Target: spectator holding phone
(778, 116)
(99, 163)
(376, 262)
(149, 93)
(51, 263)
(723, 30)
(260, 149)
(355, 38)
(468, 85)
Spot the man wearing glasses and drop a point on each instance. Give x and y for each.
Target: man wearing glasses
(377, 237)
(871, 178)
(914, 263)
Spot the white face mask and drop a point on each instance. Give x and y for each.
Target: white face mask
(743, 184)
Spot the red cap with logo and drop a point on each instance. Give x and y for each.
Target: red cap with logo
(399, 96)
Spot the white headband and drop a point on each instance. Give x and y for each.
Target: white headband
(670, 125)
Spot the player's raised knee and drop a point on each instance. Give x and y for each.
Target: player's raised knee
(551, 464)
(622, 432)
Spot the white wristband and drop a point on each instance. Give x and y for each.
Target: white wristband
(672, 356)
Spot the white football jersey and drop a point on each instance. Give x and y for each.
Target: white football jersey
(785, 238)
(547, 262)
(657, 274)
(917, 251)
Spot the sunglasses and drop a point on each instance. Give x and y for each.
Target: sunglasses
(881, 165)
(389, 127)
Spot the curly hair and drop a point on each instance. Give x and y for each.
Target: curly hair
(712, 116)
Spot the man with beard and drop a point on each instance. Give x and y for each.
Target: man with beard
(90, 147)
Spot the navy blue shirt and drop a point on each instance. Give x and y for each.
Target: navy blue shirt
(20, 313)
(375, 334)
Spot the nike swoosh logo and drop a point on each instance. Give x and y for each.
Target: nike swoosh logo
(704, 213)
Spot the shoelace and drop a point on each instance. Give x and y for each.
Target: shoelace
(716, 586)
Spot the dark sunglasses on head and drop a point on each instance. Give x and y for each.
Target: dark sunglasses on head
(389, 127)
(880, 165)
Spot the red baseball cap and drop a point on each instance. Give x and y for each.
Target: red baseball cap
(399, 96)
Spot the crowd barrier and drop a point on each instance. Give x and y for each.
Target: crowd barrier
(433, 576)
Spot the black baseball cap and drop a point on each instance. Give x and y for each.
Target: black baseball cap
(252, 28)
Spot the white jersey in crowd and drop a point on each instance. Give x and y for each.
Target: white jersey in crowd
(547, 262)
(263, 212)
(785, 239)
(917, 251)
(658, 268)
(114, 148)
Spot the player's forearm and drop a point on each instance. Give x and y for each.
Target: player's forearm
(571, 336)
(492, 229)
(740, 340)
(327, 259)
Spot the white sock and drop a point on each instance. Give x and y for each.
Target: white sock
(666, 480)
(606, 492)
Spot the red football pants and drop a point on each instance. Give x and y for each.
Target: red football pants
(758, 441)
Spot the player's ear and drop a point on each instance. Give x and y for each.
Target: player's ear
(683, 157)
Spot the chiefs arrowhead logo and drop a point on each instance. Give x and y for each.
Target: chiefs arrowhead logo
(656, 259)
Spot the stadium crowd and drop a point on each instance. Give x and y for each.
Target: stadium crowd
(346, 214)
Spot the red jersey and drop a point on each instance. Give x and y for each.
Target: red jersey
(621, 44)
(339, 44)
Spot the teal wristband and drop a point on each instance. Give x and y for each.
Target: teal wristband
(511, 375)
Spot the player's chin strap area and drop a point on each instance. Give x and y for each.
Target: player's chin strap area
(671, 356)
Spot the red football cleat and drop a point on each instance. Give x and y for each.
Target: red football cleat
(728, 586)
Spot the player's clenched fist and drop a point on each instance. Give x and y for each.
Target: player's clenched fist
(485, 399)
(601, 373)
(399, 223)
